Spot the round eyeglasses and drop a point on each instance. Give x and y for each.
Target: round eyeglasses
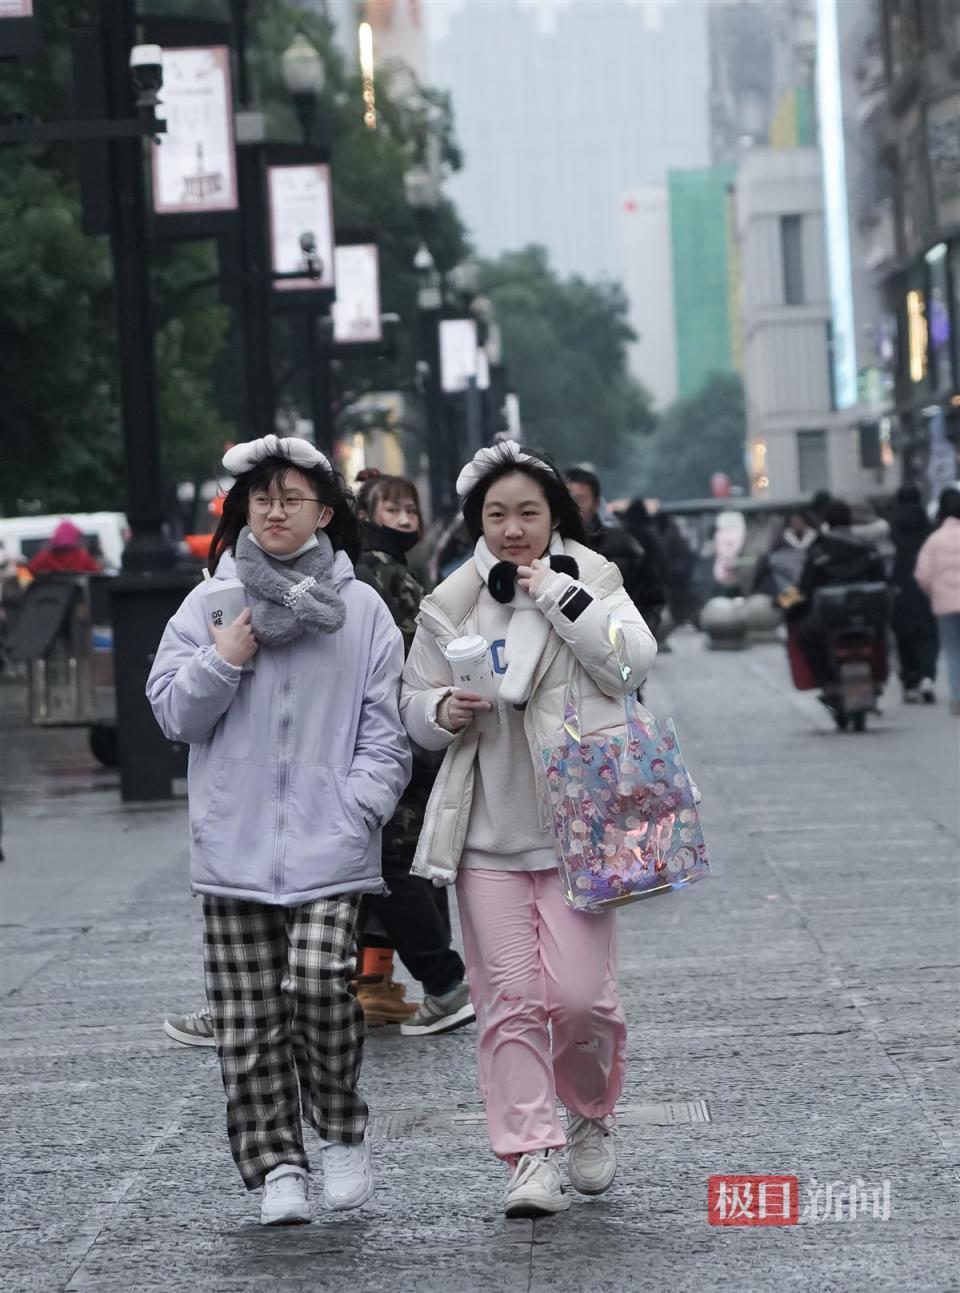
(260, 504)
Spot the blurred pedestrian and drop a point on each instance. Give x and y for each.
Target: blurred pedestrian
(938, 574)
(641, 568)
(65, 554)
(837, 556)
(914, 625)
(542, 975)
(295, 764)
(413, 915)
(781, 565)
(680, 564)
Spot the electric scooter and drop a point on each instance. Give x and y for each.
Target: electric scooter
(854, 619)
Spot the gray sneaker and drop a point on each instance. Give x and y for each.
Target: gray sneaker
(191, 1030)
(441, 1014)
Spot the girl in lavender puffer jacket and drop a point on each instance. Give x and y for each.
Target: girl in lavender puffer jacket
(295, 764)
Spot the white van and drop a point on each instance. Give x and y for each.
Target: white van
(24, 536)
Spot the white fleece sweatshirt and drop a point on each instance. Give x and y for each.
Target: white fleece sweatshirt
(504, 833)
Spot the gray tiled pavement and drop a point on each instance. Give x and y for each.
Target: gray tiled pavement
(806, 997)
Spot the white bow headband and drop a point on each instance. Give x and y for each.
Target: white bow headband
(300, 453)
(484, 460)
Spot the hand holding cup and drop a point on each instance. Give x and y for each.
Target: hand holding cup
(236, 643)
(460, 708)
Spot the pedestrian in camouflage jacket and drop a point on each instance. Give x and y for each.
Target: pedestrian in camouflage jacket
(383, 565)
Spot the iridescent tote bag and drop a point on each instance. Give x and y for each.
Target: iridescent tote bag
(625, 810)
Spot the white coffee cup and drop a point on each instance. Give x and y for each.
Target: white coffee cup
(472, 666)
(224, 599)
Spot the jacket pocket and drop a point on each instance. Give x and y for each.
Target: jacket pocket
(324, 820)
(203, 799)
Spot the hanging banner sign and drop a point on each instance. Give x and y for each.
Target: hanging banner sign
(301, 212)
(356, 311)
(193, 169)
(19, 32)
(461, 357)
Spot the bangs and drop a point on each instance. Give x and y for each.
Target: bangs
(389, 489)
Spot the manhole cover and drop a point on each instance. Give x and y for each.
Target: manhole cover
(395, 1123)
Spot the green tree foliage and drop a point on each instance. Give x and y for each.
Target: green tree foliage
(565, 343)
(695, 438)
(59, 420)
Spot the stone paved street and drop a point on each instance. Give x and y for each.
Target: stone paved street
(796, 1015)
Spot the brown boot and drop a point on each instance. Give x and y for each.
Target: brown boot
(383, 1001)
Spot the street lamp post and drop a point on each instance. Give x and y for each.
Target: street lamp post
(423, 196)
(305, 77)
(429, 313)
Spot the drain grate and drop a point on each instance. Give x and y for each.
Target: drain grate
(395, 1124)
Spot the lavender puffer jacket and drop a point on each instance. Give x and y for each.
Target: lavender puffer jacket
(295, 766)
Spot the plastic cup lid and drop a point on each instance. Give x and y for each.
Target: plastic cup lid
(467, 648)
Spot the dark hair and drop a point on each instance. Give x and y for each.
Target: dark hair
(837, 512)
(564, 512)
(949, 504)
(580, 476)
(820, 502)
(343, 531)
(375, 489)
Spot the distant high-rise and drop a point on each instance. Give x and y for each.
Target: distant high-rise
(565, 112)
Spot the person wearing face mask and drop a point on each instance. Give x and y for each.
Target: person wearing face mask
(542, 975)
(295, 766)
(413, 918)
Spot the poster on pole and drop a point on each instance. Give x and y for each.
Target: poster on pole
(18, 28)
(194, 169)
(300, 201)
(461, 357)
(356, 311)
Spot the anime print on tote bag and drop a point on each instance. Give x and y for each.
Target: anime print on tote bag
(624, 808)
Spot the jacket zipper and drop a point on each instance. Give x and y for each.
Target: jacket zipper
(283, 780)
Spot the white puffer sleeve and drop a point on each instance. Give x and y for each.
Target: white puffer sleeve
(589, 635)
(427, 681)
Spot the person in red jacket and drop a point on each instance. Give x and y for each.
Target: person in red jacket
(65, 554)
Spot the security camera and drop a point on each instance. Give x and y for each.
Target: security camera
(146, 69)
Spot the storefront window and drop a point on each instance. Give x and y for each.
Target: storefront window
(954, 262)
(938, 321)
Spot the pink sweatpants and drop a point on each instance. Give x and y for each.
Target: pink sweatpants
(532, 962)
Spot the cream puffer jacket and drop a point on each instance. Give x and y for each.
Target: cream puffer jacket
(583, 647)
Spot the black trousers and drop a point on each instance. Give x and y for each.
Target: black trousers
(918, 649)
(416, 917)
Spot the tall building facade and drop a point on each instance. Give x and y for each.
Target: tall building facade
(910, 111)
(700, 251)
(799, 441)
(566, 113)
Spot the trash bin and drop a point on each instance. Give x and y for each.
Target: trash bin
(52, 635)
(151, 767)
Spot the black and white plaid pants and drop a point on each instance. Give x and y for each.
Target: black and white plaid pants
(277, 988)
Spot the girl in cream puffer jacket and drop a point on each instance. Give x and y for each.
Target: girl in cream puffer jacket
(542, 976)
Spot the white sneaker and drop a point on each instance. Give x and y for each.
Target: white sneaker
(284, 1200)
(535, 1189)
(591, 1153)
(928, 692)
(347, 1175)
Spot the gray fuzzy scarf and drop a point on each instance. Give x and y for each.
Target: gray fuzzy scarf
(289, 597)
